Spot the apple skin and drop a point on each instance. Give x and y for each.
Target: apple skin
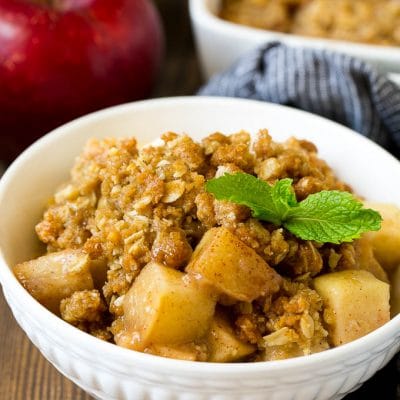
(60, 61)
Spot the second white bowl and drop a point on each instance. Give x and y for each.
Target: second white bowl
(220, 43)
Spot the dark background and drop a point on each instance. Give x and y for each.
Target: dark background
(24, 373)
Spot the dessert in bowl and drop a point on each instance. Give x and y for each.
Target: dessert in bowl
(109, 371)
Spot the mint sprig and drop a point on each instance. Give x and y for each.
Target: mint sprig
(329, 216)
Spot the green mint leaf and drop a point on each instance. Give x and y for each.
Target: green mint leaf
(331, 216)
(283, 196)
(325, 217)
(268, 203)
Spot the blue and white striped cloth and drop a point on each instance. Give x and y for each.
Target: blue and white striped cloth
(330, 84)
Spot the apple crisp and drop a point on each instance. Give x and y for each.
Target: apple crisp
(365, 21)
(140, 254)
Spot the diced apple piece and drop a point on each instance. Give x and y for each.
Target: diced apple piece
(366, 260)
(395, 292)
(232, 267)
(356, 303)
(98, 269)
(188, 352)
(166, 306)
(224, 345)
(386, 241)
(55, 276)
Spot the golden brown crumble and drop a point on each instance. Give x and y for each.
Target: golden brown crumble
(126, 207)
(366, 21)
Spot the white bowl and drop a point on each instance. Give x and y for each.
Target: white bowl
(110, 372)
(220, 43)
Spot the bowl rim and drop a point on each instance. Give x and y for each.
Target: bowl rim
(200, 10)
(78, 339)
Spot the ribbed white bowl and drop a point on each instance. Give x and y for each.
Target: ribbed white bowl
(109, 372)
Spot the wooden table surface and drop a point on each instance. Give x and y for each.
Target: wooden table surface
(24, 373)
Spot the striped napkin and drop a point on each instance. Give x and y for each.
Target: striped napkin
(333, 85)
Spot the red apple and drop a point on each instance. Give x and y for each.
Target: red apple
(60, 59)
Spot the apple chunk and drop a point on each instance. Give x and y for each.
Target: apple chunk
(356, 303)
(165, 306)
(232, 267)
(395, 292)
(224, 345)
(55, 276)
(386, 241)
(366, 259)
(187, 351)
